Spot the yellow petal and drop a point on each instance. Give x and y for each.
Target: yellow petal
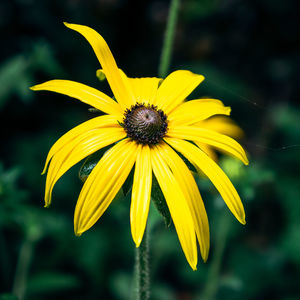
(222, 125)
(103, 183)
(191, 192)
(210, 137)
(177, 203)
(76, 150)
(141, 192)
(95, 123)
(197, 110)
(175, 88)
(83, 93)
(200, 160)
(119, 85)
(208, 150)
(144, 89)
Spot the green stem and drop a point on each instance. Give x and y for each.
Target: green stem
(22, 269)
(142, 269)
(213, 278)
(166, 54)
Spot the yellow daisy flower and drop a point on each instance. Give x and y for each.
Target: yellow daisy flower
(149, 122)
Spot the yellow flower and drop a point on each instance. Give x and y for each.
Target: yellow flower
(149, 122)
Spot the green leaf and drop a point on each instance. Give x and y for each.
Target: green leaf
(160, 202)
(89, 164)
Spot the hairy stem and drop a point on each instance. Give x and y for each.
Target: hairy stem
(142, 269)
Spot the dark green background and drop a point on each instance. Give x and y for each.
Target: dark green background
(248, 53)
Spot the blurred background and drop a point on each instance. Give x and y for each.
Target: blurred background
(248, 52)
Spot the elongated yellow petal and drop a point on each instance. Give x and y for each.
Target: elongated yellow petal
(191, 192)
(200, 160)
(98, 122)
(76, 150)
(196, 110)
(103, 183)
(83, 93)
(119, 85)
(208, 150)
(144, 89)
(141, 193)
(222, 125)
(175, 88)
(58, 159)
(209, 137)
(177, 203)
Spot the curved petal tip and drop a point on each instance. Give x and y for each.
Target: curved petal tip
(136, 240)
(78, 233)
(205, 256)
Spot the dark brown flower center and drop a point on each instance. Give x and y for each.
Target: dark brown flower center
(145, 123)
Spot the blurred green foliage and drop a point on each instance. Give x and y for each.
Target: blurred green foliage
(248, 52)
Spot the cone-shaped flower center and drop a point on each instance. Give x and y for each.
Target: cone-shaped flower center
(145, 124)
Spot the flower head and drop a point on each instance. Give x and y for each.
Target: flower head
(147, 126)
